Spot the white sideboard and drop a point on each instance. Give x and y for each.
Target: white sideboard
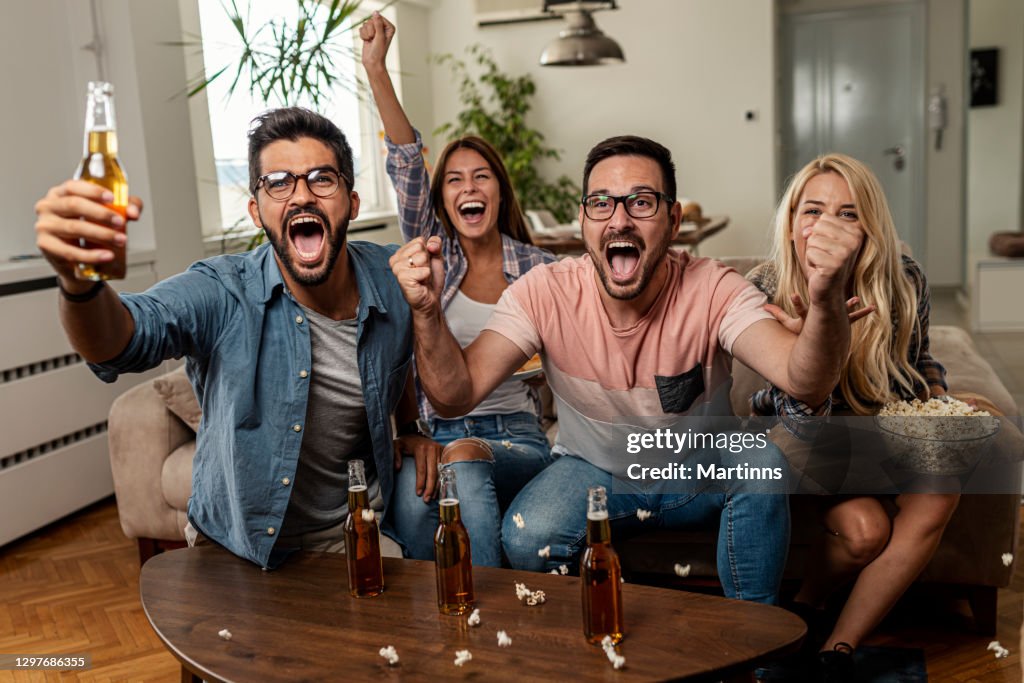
(997, 304)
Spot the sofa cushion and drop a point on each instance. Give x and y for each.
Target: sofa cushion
(966, 370)
(176, 476)
(177, 393)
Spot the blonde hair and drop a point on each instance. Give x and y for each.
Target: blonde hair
(879, 342)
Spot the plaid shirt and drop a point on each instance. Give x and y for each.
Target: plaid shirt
(796, 415)
(417, 218)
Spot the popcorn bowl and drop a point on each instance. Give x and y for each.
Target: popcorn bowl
(942, 445)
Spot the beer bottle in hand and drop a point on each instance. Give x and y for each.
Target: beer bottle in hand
(452, 557)
(100, 165)
(362, 538)
(600, 574)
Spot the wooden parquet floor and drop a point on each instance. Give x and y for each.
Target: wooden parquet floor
(73, 588)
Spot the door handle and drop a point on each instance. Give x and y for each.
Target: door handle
(899, 154)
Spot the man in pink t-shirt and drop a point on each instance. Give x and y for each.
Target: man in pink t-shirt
(636, 341)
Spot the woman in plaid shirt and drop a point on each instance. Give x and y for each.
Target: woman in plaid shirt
(889, 361)
(499, 447)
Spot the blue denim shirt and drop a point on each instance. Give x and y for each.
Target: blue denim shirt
(247, 345)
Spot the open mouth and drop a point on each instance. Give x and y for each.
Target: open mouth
(472, 211)
(624, 258)
(307, 235)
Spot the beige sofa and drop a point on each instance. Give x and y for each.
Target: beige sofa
(152, 445)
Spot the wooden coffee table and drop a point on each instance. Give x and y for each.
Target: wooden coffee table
(299, 623)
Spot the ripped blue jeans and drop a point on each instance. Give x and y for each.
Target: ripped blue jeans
(486, 487)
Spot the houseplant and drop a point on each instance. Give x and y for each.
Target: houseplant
(282, 54)
(495, 107)
(290, 62)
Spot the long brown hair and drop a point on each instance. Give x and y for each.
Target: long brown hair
(510, 216)
(880, 342)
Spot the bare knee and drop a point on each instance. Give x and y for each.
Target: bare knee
(462, 450)
(862, 529)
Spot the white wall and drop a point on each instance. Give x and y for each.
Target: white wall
(713, 63)
(692, 69)
(994, 133)
(45, 106)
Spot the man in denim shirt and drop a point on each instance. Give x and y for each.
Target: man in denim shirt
(298, 351)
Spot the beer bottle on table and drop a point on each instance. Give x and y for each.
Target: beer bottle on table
(362, 538)
(100, 165)
(600, 574)
(452, 557)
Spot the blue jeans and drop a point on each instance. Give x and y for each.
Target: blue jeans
(486, 488)
(753, 527)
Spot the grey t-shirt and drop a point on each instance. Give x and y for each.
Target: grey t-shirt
(335, 432)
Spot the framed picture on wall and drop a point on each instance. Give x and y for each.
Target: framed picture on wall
(985, 77)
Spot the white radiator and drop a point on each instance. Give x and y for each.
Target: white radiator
(53, 411)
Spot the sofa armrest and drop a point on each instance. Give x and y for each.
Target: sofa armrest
(142, 434)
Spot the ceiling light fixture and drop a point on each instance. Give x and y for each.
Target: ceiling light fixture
(582, 43)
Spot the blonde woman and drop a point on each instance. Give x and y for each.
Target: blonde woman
(889, 360)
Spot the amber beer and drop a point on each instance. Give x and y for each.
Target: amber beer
(452, 557)
(362, 538)
(100, 165)
(600, 574)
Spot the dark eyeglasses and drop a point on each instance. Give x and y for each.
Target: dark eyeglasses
(600, 207)
(280, 185)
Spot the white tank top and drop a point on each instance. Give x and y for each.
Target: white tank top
(466, 318)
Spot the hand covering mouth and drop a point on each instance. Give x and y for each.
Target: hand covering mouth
(623, 255)
(306, 230)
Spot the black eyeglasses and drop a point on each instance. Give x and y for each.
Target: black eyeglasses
(280, 185)
(601, 207)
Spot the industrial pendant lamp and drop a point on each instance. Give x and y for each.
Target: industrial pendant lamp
(582, 43)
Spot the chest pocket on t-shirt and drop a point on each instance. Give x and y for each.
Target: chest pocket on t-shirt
(678, 393)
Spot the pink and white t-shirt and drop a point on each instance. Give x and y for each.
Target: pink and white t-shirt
(673, 362)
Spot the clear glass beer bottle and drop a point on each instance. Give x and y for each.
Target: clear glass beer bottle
(452, 556)
(100, 165)
(600, 574)
(362, 538)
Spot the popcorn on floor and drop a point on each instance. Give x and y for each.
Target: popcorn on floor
(999, 650)
(1007, 559)
(462, 656)
(518, 519)
(474, 618)
(545, 551)
(503, 639)
(682, 570)
(224, 633)
(563, 570)
(617, 660)
(643, 515)
(389, 653)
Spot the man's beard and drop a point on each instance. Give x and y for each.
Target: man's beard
(652, 259)
(334, 237)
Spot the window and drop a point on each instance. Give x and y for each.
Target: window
(230, 117)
